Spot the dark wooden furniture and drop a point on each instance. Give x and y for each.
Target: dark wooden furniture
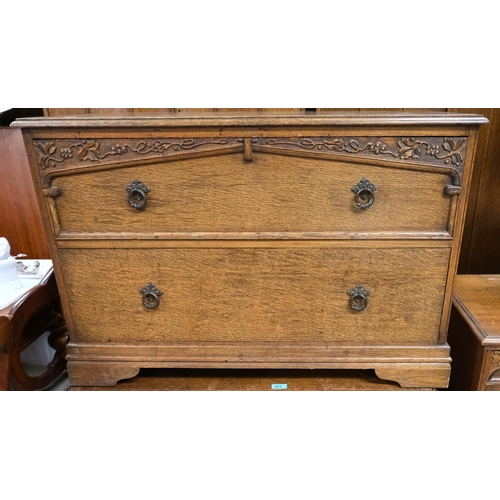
(25, 321)
(20, 220)
(272, 241)
(481, 242)
(474, 333)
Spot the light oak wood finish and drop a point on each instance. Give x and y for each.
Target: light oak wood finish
(252, 233)
(475, 333)
(250, 380)
(52, 112)
(479, 236)
(410, 376)
(267, 118)
(257, 295)
(219, 193)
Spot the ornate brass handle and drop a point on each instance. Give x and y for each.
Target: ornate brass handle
(150, 296)
(364, 193)
(137, 194)
(359, 297)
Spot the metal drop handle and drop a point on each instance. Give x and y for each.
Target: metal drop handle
(359, 297)
(137, 194)
(364, 192)
(151, 296)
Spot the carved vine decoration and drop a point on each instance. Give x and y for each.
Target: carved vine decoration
(50, 154)
(495, 360)
(448, 153)
(408, 148)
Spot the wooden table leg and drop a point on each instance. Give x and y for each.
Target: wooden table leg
(4, 353)
(58, 339)
(40, 312)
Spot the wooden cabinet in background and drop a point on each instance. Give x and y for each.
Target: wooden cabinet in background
(20, 219)
(480, 253)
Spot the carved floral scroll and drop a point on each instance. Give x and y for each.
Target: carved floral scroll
(53, 153)
(449, 150)
(446, 152)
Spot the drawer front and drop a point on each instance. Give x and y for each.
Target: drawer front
(271, 194)
(256, 295)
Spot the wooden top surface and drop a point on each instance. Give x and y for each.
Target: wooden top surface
(477, 297)
(26, 291)
(260, 118)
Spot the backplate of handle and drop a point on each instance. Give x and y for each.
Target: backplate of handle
(137, 194)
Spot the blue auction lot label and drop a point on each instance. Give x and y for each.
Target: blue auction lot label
(279, 386)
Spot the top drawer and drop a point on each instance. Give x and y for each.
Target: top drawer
(272, 194)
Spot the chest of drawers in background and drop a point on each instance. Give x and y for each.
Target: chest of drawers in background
(269, 241)
(474, 333)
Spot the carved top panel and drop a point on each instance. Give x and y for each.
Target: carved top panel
(446, 152)
(65, 153)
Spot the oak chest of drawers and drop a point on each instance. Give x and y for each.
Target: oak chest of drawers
(260, 241)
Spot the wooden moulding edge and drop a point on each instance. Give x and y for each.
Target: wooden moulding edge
(256, 353)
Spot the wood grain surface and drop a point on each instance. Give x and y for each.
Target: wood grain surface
(227, 295)
(250, 380)
(481, 247)
(479, 297)
(273, 193)
(477, 225)
(262, 119)
(474, 333)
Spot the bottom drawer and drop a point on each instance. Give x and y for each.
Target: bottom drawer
(256, 294)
